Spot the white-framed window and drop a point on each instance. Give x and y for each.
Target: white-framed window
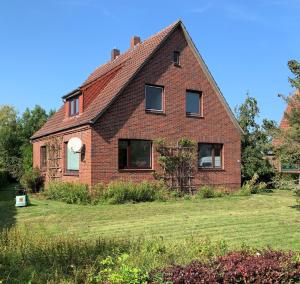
(154, 98)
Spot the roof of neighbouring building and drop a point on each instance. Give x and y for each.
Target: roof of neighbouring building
(284, 124)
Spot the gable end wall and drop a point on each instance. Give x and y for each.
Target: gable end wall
(126, 118)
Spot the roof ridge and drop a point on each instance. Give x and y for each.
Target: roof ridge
(107, 96)
(126, 53)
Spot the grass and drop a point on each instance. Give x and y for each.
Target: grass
(258, 220)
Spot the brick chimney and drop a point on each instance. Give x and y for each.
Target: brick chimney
(134, 41)
(115, 53)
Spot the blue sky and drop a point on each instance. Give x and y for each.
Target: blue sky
(48, 48)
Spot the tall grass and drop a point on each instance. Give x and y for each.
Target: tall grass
(26, 257)
(120, 192)
(116, 192)
(71, 193)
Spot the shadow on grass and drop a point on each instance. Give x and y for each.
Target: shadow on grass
(297, 207)
(8, 210)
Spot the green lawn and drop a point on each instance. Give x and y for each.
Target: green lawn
(257, 220)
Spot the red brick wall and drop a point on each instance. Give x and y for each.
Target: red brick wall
(126, 118)
(85, 164)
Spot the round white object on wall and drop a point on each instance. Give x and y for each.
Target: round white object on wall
(75, 144)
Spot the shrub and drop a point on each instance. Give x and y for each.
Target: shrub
(250, 185)
(71, 193)
(236, 267)
(244, 191)
(97, 193)
(119, 192)
(119, 271)
(223, 190)
(205, 192)
(32, 180)
(285, 182)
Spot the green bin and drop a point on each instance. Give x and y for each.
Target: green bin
(21, 198)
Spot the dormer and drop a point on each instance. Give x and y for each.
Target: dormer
(73, 103)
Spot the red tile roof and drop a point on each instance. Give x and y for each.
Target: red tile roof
(127, 65)
(284, 124)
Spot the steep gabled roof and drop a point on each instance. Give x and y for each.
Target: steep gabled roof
(127, 65)
(132, 61)
(284, 124)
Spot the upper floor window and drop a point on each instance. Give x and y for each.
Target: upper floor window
(43, 157)
(193, 103)
(210, 156)
(176, 57)
(135, 154)
(154, 98)
(73, 106)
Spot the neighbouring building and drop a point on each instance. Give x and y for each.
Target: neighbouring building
(284, 124)
(158, 88)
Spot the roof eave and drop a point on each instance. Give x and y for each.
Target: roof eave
(72, 93)
(33, 137)
(211, 78)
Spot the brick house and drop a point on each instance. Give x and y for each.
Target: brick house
(284, 125)
(158, 88)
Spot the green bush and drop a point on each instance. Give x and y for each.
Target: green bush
(119, 271)
(284, 182)
(206, 192)
(244, 191)
(119, 192)
(71, 193)
(32, 180)
(97, 193)
(3, 178)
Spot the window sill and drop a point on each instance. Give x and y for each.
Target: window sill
(211, 169)
(194, 115)
(135, 170)
(153, 111)
(76, 174)
(176, 64)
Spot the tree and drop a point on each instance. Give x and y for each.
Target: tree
(15, 133)
(30, 122)
(288, 150)
(10, 140)
(256, 141)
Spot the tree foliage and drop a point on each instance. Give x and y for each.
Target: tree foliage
(15, 133)
(256, 141)
(288, 149)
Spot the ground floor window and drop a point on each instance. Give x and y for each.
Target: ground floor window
(210, 155)
(43, 157)
(72, 160)
(135, 154)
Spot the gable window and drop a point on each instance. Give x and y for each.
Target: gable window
(73, 106)
(71, 160)
(210, 156)
(176, 57)
(193, 103)
(154, 98)
(135, 154)
(43, 157)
